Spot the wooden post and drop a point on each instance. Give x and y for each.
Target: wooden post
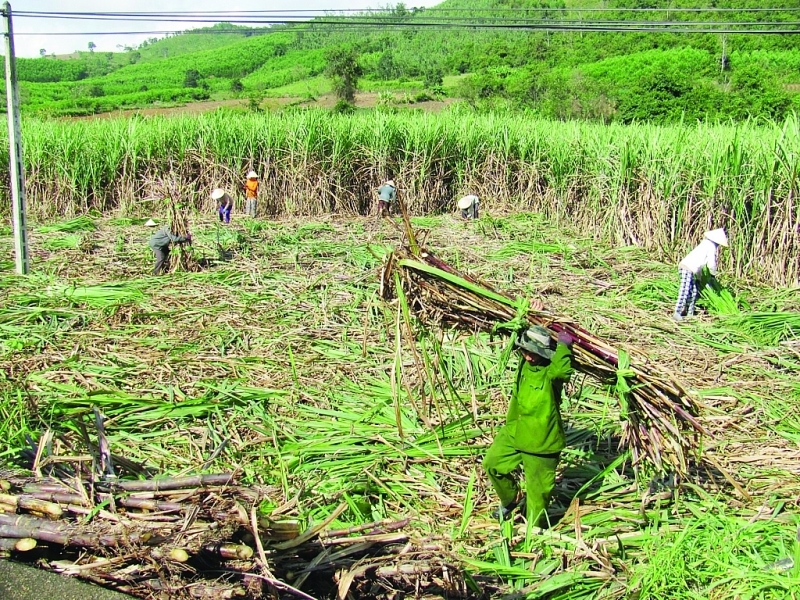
(16, 165)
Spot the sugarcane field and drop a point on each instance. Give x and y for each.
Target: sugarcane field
(307, 355)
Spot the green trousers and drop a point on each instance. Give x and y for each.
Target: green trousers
(503, 459)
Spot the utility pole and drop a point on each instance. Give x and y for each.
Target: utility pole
(724, 61)
(16, 165)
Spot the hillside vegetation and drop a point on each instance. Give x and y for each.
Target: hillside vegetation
(609, 76)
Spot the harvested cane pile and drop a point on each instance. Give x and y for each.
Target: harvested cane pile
(202, 537)
(182, 259)
(660, 425)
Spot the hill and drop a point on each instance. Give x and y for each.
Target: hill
(419, 53)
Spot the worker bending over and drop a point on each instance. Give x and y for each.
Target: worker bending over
(225, 204)
(469, 206)
(691, 268)
(386, 194)
(160, 243)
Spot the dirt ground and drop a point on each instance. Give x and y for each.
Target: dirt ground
(363, 100)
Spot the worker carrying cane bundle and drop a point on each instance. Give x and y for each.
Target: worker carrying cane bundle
(533, 435)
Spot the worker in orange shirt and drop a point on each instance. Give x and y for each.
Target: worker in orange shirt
(251, 193)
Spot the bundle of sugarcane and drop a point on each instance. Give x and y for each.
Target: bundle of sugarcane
(660, 422)
(196, 536)
(183, 259)
(201, 536)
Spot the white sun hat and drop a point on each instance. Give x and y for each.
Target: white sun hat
(252, 175)
(390, 182)
(150, 223)
(466, 202)
(217, 194)
(717, 236)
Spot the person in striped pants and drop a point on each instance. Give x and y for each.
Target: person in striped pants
(704, 256)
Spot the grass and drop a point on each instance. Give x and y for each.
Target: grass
(280, 348)
(71, 225)
(311, 87)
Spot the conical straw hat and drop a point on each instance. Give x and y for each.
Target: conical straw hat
(717, 236)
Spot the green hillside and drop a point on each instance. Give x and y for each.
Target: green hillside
(611, 76)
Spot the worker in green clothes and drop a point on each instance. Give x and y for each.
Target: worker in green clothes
(533, 435)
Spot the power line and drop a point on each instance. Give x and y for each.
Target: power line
(438, 26)
(695, 26)
(409, 11)
(295, 17)
(295, 20)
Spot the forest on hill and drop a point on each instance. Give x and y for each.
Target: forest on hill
(659, 75)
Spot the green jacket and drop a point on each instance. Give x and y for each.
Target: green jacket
(534, 419)
(164, 236)
(387, 193)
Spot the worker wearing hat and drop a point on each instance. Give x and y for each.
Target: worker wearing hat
(386, 194)
(469, 206)
(251, 193)
(160, 243)
(533, 435)
(225, 203)
(692, 267)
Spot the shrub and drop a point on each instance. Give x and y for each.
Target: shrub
(192, 79)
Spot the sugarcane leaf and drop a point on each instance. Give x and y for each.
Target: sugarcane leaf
(458, 281)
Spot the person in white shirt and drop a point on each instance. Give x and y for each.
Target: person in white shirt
(691, 267)
(469, 206)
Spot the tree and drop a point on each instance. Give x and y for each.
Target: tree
(433, 77)
(92, 46)
(42, 52)
(192, 79)
(757, 92)
(343, 69)
(400, 10)
(386, 69)
(236, 86)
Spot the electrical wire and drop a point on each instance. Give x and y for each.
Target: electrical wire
(296, 18)
(414, 10)
(442, 26)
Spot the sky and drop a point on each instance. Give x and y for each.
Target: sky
(26, 45)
